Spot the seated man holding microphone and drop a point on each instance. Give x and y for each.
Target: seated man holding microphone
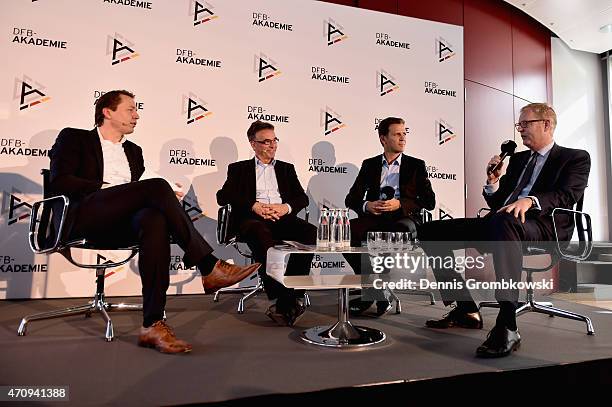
(387, 195)
(544, 177)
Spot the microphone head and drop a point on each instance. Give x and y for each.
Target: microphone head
(387, 193)
(508, 147)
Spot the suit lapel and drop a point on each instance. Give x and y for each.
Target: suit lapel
(250, 177)
(376, 174)
(97, 152)
(550, 165)
(281, 178)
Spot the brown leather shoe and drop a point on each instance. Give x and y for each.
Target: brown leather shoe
(225, 274)
(161, 337)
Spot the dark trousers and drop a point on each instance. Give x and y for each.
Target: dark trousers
(148, 213)
(260, 235)
(500, 234)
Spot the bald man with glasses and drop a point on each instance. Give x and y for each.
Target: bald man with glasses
(266, 196)
(544, 177)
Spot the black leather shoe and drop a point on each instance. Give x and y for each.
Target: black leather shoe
(357, 306)
(500, 342)
(289, 316)
(382, 307)
(457, 318)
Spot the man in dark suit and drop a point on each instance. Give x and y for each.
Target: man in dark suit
(387, 195)
(99, 170)
(537, 180)
(266, 196)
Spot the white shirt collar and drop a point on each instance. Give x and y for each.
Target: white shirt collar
(398, 159)
(546, 149)
(260, 163)
(103, 140)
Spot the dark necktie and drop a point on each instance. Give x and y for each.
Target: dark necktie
(524, 180)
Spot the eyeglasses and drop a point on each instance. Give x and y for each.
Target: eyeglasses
(523, 124)
(268, 142)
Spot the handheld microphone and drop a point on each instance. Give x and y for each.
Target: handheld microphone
(387, 193)
(507, 149)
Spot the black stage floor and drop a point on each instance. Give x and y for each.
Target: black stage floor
(243, 356)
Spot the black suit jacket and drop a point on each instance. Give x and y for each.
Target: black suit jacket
(77, 165)
(560, 184)
(239, 189)
(77, 168)
(415, 188)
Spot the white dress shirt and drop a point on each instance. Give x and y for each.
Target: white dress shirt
(116, 166)
(266, 185)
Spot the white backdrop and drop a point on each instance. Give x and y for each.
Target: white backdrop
(202, 71)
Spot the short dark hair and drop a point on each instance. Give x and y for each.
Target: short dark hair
(258, 126)
(109, 100)
(383, 126)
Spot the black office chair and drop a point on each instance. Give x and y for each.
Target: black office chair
(46, 236)
(227, 236)
(557, 251)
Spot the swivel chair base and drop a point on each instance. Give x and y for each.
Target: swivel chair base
(99, 304)
(545, 308)
(343, 334)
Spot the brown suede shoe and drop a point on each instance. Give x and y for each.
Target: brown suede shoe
(225, 274)
(161, 337)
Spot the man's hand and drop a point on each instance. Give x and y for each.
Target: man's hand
(374, 207)
(262, 210)
(518, 208)
(493, 177)
(278, 210)
(390, 205)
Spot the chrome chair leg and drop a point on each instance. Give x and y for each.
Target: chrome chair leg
(306, 300)
(565, 314)
(109, 334)
(398, 303)
(80, 309)
(429, 294)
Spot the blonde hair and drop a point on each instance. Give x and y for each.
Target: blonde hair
(543, 111)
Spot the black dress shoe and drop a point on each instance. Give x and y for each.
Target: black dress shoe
(287, 316)
(357, 306)
(382, 307)
(457, 318)
(500, 342)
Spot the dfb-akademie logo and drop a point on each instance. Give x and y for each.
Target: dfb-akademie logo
(265, 67)
(444, 49)
(385, 82)
(120, 49)
(333, 32)
(29, 92)
(194, 108)
(444, 132)
(330, 121)
(201, 11)
(14, 207)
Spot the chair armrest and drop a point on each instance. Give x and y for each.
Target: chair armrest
(588, 242)
(481, 210)
(44, 221)
(223, 221)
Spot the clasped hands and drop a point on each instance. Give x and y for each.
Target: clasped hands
(379, 207)
(271, 212)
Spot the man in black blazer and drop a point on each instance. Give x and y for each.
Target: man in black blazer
(266, 196)
(537, 180)
(99, 170)
(387, 195)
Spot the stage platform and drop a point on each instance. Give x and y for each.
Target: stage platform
(237, 357)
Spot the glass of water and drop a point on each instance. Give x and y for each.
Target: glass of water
(372, 242)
